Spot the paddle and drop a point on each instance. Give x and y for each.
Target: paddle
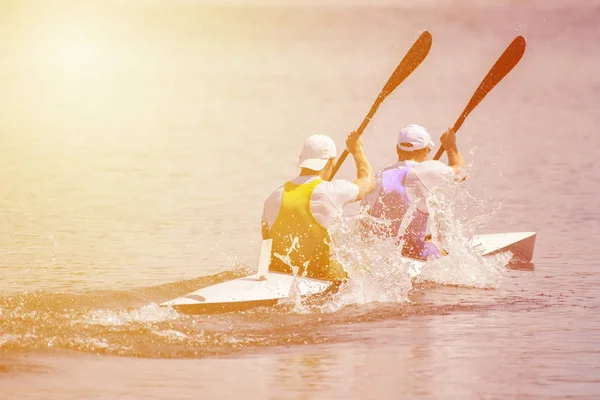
(409, 63)
(507, 61)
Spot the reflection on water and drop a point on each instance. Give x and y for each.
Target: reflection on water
(521, 266)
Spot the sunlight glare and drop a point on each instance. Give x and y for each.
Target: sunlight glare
(75, 51)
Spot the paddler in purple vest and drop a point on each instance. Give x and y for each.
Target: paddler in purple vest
(406, 185)
(297, 215)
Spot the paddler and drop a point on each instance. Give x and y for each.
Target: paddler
(297, 215)
(407, 184)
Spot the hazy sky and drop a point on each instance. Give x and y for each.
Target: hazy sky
(296, 3)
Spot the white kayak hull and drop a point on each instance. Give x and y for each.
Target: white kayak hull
(269, 289)
(521, 244)
(247, 292)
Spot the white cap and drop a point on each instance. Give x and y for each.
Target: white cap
(317, 150)
(414, 137)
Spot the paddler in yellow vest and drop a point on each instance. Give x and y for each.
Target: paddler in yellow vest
(297, 215)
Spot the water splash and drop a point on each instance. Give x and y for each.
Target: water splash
(457, 216)
(379, 273)
(377, 270)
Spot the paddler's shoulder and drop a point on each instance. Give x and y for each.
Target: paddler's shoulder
(302, 179)
(341, 186)
(433, 166)
(337, 183)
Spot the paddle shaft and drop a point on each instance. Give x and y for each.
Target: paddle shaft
(360, 130)
(415, 55)
(507, 61)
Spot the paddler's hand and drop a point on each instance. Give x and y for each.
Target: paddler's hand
(354, 143)
(448, 139)
(455, 159)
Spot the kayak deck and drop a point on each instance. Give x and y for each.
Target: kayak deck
(521, 244)
(247, 292)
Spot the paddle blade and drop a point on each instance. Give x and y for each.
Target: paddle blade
(265, 258)
(413, 58)
(507, 61)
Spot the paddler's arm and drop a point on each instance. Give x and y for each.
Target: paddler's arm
(364, 174)
(455, 159)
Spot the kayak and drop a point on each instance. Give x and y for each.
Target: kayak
(270, 288)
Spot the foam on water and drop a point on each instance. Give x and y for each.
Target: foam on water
(150, 313)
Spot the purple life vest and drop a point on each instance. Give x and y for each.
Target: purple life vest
(391, 204)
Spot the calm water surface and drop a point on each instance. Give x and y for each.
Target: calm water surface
(137, 144)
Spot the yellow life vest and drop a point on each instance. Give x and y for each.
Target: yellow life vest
(298, 239)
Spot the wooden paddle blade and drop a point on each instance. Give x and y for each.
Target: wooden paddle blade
(413, 58)
(507, 61)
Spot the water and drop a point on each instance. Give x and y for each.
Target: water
(139, 140)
